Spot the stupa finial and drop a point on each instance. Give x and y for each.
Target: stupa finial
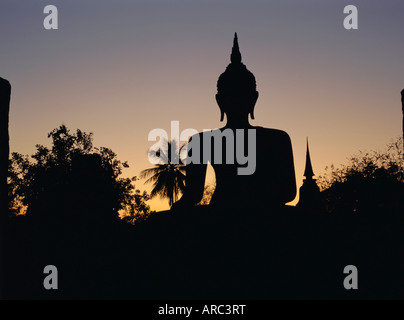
(308, 171)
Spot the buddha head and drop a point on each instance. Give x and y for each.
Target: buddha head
(236, 88)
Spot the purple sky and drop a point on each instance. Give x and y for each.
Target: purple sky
(122, 68)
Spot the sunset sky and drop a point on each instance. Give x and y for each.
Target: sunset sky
(122, 68)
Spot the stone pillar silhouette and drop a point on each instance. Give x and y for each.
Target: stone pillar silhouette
(402, 106)
(5, 90)
(309, 193)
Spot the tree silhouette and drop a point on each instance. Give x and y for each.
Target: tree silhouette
(71, 174)
(168, 176)
(371, 181)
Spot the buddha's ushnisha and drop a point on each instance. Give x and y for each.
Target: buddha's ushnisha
(236, 90)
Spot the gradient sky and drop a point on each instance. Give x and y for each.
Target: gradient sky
(122, 68)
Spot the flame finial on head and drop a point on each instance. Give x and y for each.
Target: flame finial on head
(235, 56)
(236, 78)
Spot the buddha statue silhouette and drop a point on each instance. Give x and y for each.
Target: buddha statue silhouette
(273, 181)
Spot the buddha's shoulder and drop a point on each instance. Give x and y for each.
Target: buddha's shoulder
(207, 132)
(261, 131)
(276, 133)
(214, 132)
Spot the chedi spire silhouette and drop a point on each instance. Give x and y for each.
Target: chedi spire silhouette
(309, 191)
(308, 171)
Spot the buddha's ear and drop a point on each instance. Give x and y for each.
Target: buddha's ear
(252, 114)
(256, 94)
(255, 97)
(218, 100)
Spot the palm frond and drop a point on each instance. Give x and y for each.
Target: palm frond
(168, 177)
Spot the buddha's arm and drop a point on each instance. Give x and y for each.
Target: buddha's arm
(194, 184)
(194, 178)
(289, 186)
(281, 177)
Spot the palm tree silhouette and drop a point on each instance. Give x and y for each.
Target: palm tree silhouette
(168, 176)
